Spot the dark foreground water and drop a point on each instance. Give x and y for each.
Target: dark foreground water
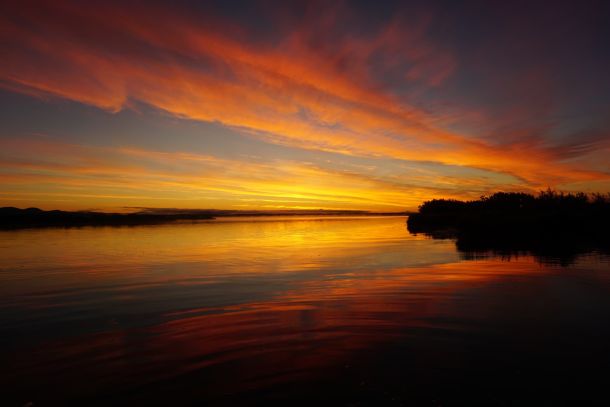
(298, 311)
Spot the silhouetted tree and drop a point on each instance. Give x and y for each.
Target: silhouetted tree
(549, 222)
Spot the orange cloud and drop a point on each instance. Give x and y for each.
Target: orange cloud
(289, 92)
(61, 174)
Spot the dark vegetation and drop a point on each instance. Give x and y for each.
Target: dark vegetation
(551, 225)
(13, 218)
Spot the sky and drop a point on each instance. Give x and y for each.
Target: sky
(308, 105)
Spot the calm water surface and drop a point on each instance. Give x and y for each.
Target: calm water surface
(352, 311)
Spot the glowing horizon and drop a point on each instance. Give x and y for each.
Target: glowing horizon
(303, 107)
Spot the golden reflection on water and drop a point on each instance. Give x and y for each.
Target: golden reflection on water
(207, 249)
(218, 239)
(242, 304)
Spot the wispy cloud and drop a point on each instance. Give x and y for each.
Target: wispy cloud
(50, 169)
(311, 86)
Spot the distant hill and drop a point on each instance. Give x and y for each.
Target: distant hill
(11, 218)
(33, 217)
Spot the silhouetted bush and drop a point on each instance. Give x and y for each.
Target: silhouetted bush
(551, 221)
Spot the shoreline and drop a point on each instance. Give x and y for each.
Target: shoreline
(33, 218)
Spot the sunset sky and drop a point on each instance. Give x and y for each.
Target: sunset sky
(277, 105)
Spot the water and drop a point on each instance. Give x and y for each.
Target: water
(297, 310)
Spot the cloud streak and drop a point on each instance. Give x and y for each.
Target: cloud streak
(311, 86)
(43, 169)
